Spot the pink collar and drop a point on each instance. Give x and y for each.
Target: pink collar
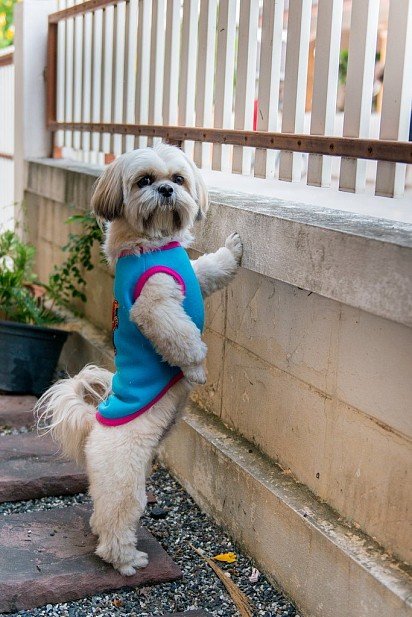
(139, 251)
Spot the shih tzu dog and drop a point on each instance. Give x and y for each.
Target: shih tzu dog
(112, 424)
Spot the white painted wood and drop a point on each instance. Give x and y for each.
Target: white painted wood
(269, 82)
(61, 84)
(205, 77)
(32, 139)
(325, 85)
(130, 60)
(87, 81)
(107, 67)
(69, 66)
(143, 67)
(96, 79)
(77, 77)
(225, 66)
(245, 80)
(118, 72)
(157, 58)
(187, 79)
(297, 52)
(397, 95)
(172, 63)
(359, 86)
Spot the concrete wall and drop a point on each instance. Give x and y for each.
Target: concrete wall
(318, 379)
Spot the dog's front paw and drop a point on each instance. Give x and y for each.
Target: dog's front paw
(195, 373)
(235, 246)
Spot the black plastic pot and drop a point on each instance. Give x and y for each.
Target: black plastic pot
(28, 357)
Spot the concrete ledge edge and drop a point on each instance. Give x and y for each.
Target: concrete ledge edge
(296, 540)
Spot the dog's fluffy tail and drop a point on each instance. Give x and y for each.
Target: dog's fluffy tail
(67, 410)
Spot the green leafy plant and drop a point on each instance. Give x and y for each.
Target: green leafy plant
(22, 298)
(6, 23)
(67, 281)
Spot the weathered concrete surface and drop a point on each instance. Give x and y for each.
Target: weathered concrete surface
(48, 557)
(361, 261)
(16, 411)
(327, 568)
(30, 467)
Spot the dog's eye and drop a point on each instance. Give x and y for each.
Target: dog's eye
(145, 181)
(178, 179)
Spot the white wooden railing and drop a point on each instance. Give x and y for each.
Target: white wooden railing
(234, 64)
(6, 138)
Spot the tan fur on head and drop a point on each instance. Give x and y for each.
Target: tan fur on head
(158, 192)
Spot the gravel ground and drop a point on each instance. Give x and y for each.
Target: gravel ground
(175, 521)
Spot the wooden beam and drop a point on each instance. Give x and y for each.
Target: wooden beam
(371, 149)
(81, 9)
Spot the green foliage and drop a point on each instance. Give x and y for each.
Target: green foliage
(18, 298)
(22, 297)
(6, 23)
(343, 66)
(67, 281)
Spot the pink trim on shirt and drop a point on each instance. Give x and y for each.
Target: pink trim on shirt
(136, 414)
(170, 245)
(157, 270)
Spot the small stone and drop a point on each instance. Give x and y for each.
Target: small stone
(158, 512)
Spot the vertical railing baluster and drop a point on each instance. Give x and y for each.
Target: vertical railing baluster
(269, 82)
(397, 95)
(143, 67)
(118, 73)
(225, 67)
(96, 81)
(245, 80)
(328, 33)
(61, 82)
(204, 77)
(107, 67)
(157, 58)
(188, 57)
(77, 80)
(130, 71)
(172, 63)
(294, 97)
(359, 87)
(68, 107)
(87, 82)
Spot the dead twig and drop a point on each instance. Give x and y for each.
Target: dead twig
(241, 601)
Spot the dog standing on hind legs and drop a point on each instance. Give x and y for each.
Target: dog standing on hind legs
(112, 424)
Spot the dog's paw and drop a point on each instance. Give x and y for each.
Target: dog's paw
(195, 373)
(235, 246)
(141, 559)
(126, 570)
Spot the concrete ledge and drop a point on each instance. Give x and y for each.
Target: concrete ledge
(361, 261)
(327, 568)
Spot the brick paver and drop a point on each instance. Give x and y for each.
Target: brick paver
(48, 557)
(30, 467)
(16, 411)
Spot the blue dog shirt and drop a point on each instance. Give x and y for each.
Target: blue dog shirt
(142, 377)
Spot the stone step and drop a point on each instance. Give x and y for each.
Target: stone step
(48, 557)
(16, 411)
(30, 467)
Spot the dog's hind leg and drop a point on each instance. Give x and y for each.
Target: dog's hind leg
(117, 486)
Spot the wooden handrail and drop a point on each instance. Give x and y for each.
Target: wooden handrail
(81, 9)
(7, 59)
(371, 149)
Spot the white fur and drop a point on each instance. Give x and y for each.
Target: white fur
(118, 458)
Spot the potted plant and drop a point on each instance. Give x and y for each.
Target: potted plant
(29, 347)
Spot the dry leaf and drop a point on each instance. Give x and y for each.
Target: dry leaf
(241, 601)
(117, 602)
(225, 557)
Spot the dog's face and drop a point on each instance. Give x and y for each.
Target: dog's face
(158, 191)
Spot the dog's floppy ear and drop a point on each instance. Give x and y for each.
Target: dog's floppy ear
(107, 199)
(201, 190)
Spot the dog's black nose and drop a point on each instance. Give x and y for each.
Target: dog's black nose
(165, 189)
